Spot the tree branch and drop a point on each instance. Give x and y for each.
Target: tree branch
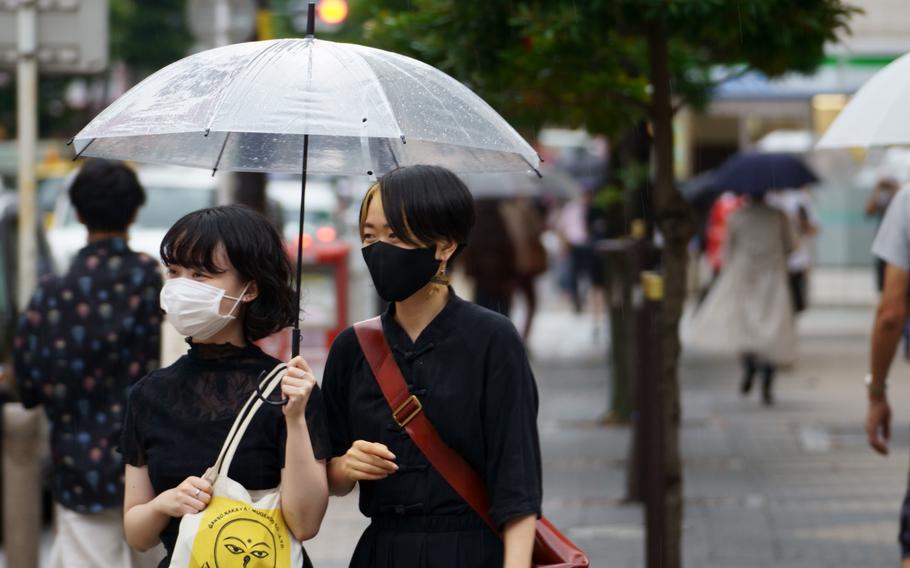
(684, 100)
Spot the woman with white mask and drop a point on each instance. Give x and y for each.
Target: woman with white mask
(228, 284)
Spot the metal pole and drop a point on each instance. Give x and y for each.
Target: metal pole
(653, 414)
(224, 180)
(27, 128)
(21, 428)
(21, 485)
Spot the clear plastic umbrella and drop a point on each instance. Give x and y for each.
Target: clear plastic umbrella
(305, 106)
(554, 184)
(248, 106)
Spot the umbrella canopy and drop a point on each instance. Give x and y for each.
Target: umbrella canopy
(878, 115)
(248, 106)
(501, 185)
(756, 174)
(554, 184)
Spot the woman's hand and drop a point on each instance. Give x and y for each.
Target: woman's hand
(190, 497)
(296, 386)
(370, 461)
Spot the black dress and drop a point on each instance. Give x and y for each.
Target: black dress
(470, 371)
(178, 417)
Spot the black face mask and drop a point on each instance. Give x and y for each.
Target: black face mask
(398, 273)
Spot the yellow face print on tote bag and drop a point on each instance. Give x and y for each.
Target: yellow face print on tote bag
(232, 534)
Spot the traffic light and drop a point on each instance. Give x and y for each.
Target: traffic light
(332, 12)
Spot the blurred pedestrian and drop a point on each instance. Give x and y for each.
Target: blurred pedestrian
(716, 234)
(749, 308)
(492, 260)
(83, 340)
(525, 228)
(572, 228)
(876, 206)
(469, 376)
(892, 244)
(228, 284)
(799, 207)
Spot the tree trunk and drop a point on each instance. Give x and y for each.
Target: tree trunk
(674, 220)
(249, 190)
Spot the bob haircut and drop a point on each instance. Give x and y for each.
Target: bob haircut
(254, 248)
(424, 205)
(106, 195)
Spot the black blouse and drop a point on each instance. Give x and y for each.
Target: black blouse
(178, 418)
(470, 371)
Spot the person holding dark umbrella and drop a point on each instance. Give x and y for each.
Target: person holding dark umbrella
(749, 310)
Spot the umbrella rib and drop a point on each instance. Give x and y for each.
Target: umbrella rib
(392, 152)
(432, 94)
(536, 171)
(79, 153)
(216, 108)
(372, 71)
(220, 152)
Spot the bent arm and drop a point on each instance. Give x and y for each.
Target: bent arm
(142, 521)
(890, 320)
(304, 488)
(339, 482)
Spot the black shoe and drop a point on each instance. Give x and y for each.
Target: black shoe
(767, 380)
(749, 369)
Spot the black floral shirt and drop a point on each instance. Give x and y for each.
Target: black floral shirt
(84, 339)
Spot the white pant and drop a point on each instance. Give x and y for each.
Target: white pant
(96, 540)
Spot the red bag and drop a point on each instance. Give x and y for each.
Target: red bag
(551, 548)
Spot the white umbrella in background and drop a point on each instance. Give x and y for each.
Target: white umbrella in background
(879, 113)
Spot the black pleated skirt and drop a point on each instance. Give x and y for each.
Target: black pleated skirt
(462, 541)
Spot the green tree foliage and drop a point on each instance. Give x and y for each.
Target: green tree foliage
(585, 62)
(148, 34)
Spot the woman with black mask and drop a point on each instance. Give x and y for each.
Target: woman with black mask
(467, 367)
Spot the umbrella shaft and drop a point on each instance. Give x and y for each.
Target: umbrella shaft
(295, 339)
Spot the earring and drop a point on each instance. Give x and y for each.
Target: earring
(441, 279)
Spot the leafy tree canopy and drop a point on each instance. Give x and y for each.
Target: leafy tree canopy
(584, 62)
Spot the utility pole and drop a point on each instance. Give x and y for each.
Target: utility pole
(249, 187)
(27, 134)
(21, 466)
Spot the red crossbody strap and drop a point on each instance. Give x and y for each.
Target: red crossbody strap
(407, 411)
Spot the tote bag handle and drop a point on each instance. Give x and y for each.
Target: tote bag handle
(242, 422)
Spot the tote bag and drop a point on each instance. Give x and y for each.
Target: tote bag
(239, 528)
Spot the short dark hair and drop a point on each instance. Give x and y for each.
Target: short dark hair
(106, 195)
(427, 203)
(253, 246)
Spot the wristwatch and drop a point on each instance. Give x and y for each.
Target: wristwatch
(875, 390)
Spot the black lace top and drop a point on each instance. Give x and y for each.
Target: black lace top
(178, 417)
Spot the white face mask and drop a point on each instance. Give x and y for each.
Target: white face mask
(194, 308)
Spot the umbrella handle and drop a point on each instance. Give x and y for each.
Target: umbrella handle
(261, 396)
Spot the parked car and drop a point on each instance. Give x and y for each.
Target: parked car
(171, 192)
